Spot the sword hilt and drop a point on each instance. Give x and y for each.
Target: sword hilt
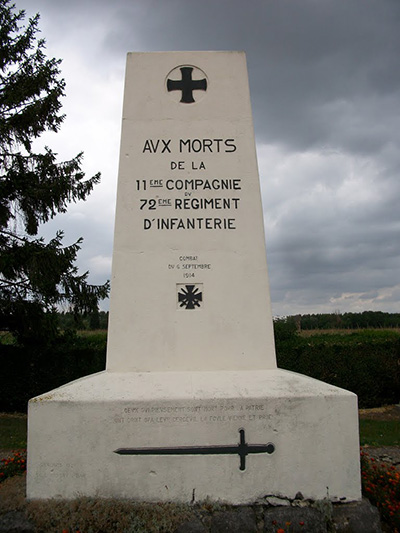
(242, 450)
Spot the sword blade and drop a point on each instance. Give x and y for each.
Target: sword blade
(181, 450)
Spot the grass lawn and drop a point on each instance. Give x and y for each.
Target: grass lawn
(372, 432)
(380, 432)
(12, 431)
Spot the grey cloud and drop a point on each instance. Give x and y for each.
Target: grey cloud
(325, 82)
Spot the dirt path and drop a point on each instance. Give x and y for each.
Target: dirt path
(389, 412)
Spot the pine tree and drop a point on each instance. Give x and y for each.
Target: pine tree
(35, 276)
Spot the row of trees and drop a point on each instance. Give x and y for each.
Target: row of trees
(288, 325)
(90, 321)
(366, 319)
(36, 277)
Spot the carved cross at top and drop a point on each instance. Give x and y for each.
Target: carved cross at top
(187, 85)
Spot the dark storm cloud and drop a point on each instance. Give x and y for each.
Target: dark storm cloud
(325, 86)
(316, 68)
(323, 71)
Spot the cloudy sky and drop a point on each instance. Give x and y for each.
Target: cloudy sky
(325, 87)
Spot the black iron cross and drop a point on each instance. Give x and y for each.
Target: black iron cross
(187, 85)
(242, 450)
(190, 297)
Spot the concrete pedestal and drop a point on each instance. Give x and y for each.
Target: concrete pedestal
(76, 434)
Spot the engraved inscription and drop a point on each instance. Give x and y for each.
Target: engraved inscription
(188, 195)
(183, 414)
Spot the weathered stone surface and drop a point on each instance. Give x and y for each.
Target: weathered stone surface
(300, 520)
(300, 503)
(275, 501)
(15, 522)
(242, 520)
(357, 517)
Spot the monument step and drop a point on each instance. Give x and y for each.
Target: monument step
(187, 436)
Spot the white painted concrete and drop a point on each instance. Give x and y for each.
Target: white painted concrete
(232, 328)
(77, 428)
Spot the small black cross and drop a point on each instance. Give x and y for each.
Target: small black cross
(190, 297)
(187, 85)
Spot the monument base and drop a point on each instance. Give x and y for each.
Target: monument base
(186, 436)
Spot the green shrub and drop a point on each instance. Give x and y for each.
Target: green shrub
(28, 372)
(285, 329)
(366, 363)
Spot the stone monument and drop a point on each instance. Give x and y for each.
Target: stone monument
(191, 404)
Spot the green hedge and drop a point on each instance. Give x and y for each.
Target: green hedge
(28, 372)
(367, 363)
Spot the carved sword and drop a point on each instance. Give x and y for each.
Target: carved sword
(242, 449)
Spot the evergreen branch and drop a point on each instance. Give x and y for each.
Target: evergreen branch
(35, 276)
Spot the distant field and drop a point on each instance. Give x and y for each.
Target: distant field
(92, 332)
(7, 338)
(360, 331)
